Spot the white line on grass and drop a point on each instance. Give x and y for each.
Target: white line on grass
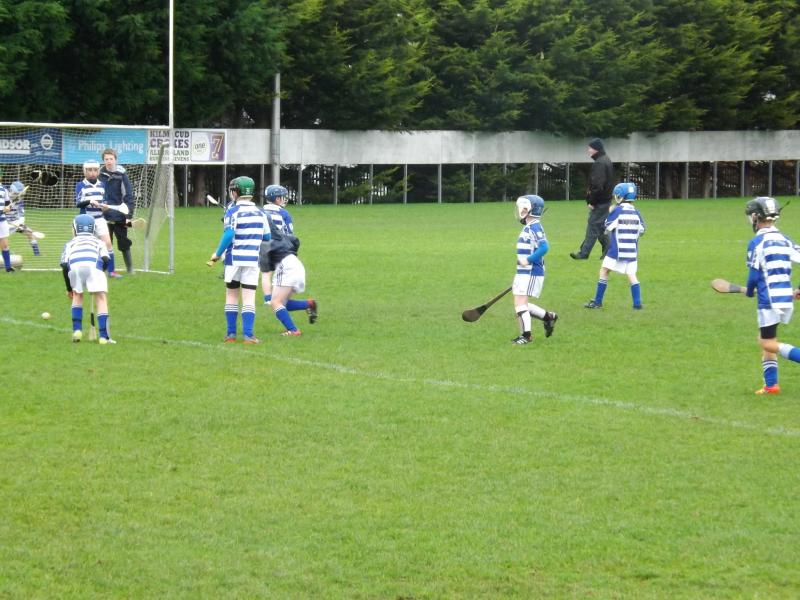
(446, 383)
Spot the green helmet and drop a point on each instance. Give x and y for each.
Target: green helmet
(244, 186)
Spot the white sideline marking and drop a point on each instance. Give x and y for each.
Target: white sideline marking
(446, 383)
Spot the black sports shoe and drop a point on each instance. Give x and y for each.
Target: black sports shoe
(549, 323)
(592, 304)
(521, 340)
(577, 256)
(312, 311)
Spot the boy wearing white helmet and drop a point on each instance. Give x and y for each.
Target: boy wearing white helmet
(90, 199)
(624, 226)
(529, 278)
(16, 216)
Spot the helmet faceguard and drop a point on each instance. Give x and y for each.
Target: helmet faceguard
(276, 194)
(763, 208)
(625, 192)
(83, 224)
(529, 206)
(243, 186)
(16, 190)
(91, 169)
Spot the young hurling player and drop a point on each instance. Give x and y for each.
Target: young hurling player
(16, 216)
(624, 226)
(245, 228)
(5, 202)
(528, 282)
(282, 226)
(770, 255)
(79, 263)
(89, 198)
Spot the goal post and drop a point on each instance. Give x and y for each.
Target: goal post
(49, 157)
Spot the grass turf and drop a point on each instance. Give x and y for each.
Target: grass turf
(393, 450)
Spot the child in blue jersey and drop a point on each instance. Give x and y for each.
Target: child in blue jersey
(16, 216)
(5, 210)
(281, 253)
(245, 228)
(529, 279)
(90, 199)
(80, 263)
(624, 226)
(770, 255)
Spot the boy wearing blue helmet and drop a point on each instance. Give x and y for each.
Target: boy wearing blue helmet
(624, 226)
(278, 261)
(81, 263)
(529, 279)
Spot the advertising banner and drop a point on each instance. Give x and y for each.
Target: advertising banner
(130, 144)
(31, 146)
(190, 146)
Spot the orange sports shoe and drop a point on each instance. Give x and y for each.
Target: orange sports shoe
(769, 389)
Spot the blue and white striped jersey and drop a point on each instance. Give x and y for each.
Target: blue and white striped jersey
(249, 225)
(4, 201)
(280, 217)
(771, 253)
(625, 226)
(84, 249)
(530, 238)
(86, 190)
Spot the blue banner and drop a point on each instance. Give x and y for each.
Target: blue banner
(130, 144)
(31, 146)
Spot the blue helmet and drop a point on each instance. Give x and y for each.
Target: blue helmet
(529, 205)
(83, 224)
(625, 191)
(273, 192)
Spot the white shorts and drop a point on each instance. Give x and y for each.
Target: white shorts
(244, 275)
(88, 278)
(3, 229)
(626, 267)
(290, 272)
(773, 316)
(100, 227)
(527, 285)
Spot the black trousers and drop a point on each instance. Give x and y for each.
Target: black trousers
(595, 230)
(120, 231)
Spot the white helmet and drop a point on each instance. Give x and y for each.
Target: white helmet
(16, 190)
(91, 164)
(529, 205)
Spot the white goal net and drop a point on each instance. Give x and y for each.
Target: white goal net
(48, 159)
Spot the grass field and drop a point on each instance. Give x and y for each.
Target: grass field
(394, 451)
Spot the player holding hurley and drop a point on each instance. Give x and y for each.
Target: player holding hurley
(280, 255)
(245, 227)
(528, 282)
(90, 199)
(79, 263)
(770, 255)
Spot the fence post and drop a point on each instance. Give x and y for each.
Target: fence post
(371, 175)
(714, 178)
(536, 178)
(439, 184)
(336, 184)
(567, 181)
(405, 184)
(472, 183)
(769, 178)
(741, 181)
(299, 196)
(658, 181)
(686, 180)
